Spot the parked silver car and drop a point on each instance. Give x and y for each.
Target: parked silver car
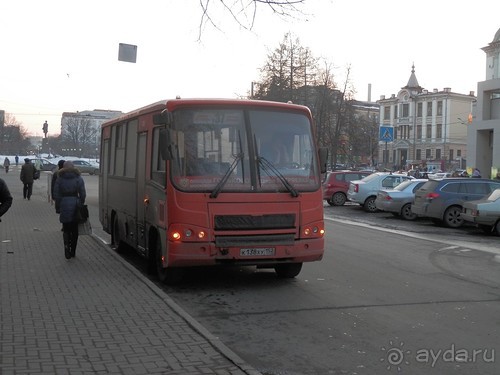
(365, 191)
(484, 212)
(85, 167)
(43, 164)
(398, 200)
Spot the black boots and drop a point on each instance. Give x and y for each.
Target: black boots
(73, 242)
(70, 241)
(67, 246)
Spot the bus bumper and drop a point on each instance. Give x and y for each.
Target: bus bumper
(207, 254)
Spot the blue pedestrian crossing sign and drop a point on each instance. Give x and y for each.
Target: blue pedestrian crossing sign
(386, 134)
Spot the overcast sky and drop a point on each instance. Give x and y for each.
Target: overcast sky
(62, 56)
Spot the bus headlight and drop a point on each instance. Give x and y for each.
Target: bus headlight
(314, 230)
(186, 233)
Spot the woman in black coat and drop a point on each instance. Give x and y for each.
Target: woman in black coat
(69, 193)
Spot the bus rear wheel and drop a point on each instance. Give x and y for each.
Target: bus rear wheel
(288, 270)
(169, 276)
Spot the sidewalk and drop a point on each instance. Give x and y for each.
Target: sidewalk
(93, 314)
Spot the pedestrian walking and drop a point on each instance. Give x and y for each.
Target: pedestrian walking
(476, 173)
(6, 164)
(27, 177)
(60, 164)
(5, 198)
(17, 160)
(70, 194)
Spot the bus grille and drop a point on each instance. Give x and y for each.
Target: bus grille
(250, 222)
(260, 240)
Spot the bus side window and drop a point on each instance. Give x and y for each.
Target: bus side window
(159, 165)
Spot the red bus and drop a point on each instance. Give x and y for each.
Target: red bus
(198, 182)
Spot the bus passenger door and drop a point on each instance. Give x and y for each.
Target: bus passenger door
(141, 181)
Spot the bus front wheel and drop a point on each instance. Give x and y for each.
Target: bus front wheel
(116, 242)
(169, 276)
(287, 270)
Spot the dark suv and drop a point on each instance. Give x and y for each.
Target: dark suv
(441, 200)
(336, 185)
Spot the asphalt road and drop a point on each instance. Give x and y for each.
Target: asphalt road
(388, 297)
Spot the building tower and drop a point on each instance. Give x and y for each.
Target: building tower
(483, 133)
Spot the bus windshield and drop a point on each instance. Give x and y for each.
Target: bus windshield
(236, 150)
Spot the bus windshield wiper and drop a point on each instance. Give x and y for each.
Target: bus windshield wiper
(224, 178)
(267, 165)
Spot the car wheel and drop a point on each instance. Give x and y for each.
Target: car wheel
(369, 205)
(497, 228)
(407, 214)
(288, 270)
(338, 199)
(452, 217)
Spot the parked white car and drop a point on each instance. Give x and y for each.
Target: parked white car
(364, 192)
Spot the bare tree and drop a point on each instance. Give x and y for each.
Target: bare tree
(79, 134)
(13, 135)
(10, 120)
(244, 12)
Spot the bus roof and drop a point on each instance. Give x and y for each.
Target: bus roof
(173, 104)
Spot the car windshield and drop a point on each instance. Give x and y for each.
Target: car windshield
(495, 194)
(403, 185)
(370, 177)
(430, 185)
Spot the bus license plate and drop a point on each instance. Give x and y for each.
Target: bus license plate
(257, 252)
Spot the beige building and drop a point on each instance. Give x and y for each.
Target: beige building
(483, 136)
(424, 128)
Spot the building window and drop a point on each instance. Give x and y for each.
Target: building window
(406, 110)
(428, 132)
(395, 111)
(419, 154)
(419, 109)
(438, 153)
(419, 131)
(451, 154)
(429, 108)
(439, 131)
(395, 135)
(440, 108)
(459, 153)
(404, 131)
(428, 153)
(387, 112)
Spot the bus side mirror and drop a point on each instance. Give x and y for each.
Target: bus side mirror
(323, 158)
(162, 118)
(166, 145)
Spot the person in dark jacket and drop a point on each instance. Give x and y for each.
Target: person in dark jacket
(60, 164)
(27, 177)
(5, 198)
(69, 193)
